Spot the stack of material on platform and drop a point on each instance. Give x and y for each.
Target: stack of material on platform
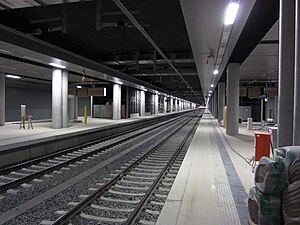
(264, 209)
(291, 204)
(270, 177)
(279, 154)
(291, 194)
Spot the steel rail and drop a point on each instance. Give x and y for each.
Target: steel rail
(87, 201)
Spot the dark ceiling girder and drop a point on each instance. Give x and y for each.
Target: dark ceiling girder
(41, 2)
(261, 19)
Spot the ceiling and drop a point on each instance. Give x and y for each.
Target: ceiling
(97, 38)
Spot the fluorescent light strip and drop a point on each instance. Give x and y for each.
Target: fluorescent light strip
(231, 12)
(57, 65)
(13, 76)
(78, 86)
(118, 82)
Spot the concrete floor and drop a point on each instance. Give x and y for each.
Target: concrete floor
(213, 183)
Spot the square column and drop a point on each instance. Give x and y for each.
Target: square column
(2, 99)
(286, 73)
(142, 103)
(116, 102)
(296, 125)
(165, 104)
(232, 124)
(59, 98)
(171, 104)
(216, 103)
(156, 109)
(221, 100)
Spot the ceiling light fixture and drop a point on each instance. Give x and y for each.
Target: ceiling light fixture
(212, 85)
(13, 76)
(216, 72)
(231, 12)
(78, 86)
(118, 82)
(210, 91)
(57, 65)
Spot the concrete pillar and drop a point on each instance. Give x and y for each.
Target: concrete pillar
(156, 104)
(286, 73)
(221, 100)
(216, 103)
(232, 123)
(59, 99)
(65, 85)
(171, 104)
(2, 99)
(116, 102)
(165, 104)
(142, 103)
(71, 107)
(76, 107)
(296, 125)
(92, 108)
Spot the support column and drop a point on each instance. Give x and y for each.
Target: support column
(142, 103)
(232, 124)
(216, 103)
(296, 125)
(59, 98)
(175, 105)
(71, 107)
(165, 104)
(2, 99)
(286, 73)
(221, 100)
(116, 102)
(156, 107)
(171, 104)
(75, 107)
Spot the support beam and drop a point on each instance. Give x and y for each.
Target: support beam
(296, 125)
(232, 125)
(286, 73)
(116, 102)
(2, 99)
(142, 103)
(59, 98)
(221, 100)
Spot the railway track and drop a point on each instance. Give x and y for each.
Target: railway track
(136, 191)
(21, 174)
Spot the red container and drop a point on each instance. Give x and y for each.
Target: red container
(262, 144)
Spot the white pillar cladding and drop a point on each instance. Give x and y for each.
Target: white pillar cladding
(165, 104)
(59, 98)
(216, 103)
(286, 73)
(296, 125)
(232, 125)
(175, 105)
(142, 105)
(65, 87)
(221, 100)
(2, 99)
(92, 103)
(75, 107)
(71, 107)
(116, 102)
(156, 104)
(171, 104)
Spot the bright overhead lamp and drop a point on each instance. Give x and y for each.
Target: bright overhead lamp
(57, 65)
(210, 91)
(212, 85)
(231, 12)
(216, 72)
(209, 94)
(12, 76)
(78, 86)
(118, 82)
